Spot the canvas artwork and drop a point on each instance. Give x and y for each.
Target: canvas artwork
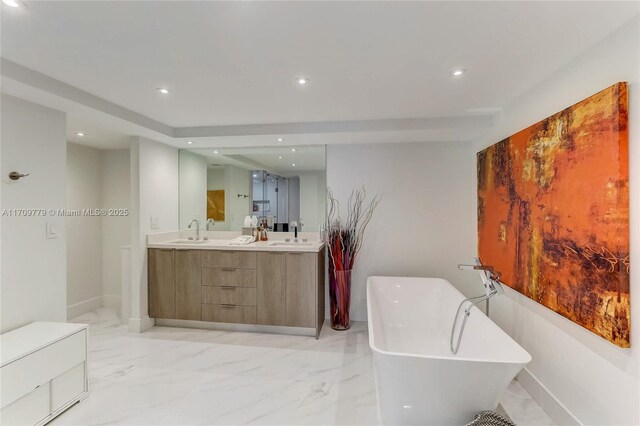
(215, 205)
(553, 213)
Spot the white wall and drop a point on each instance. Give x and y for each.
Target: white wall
(193, 188)
(33, 272)
(585, 375)
(154, 193)
(294, 198)
(424, 225)
(116, 230)
(238, 182)
(84, 233)
(312, 200)
(309, 201)
(195, 180)
(96, 179)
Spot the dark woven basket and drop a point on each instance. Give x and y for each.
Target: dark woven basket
(490, 418)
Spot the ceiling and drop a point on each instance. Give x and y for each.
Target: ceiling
(232, 65)
(282, 160)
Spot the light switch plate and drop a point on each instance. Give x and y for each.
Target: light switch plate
(155, 222)
(51, 230)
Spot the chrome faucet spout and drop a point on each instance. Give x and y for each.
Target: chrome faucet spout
(197, 228)
(487, 272)
(476, 267)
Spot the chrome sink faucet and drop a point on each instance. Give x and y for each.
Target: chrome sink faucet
(294, 224)
(210, 224)
(197, 228)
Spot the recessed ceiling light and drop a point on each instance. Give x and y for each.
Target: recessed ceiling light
(457, 72)
(302, 81)
(215, 152)
(294, 164)
(81, 134)
(280, 157)
(164, 90)
(11, 3)
(280, 139)
(190, 142)
(293, 150)
(255, 175)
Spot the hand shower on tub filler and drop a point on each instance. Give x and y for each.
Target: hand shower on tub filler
(492, 286)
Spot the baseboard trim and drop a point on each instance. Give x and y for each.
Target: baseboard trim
(251, 328)
(85, 306)
(549, 403)
(139, 325)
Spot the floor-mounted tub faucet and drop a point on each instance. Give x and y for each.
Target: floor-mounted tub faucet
(492, 286)
(197, 228)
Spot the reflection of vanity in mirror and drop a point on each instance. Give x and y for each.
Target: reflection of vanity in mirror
(279, 185)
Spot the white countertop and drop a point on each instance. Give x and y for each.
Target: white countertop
(222, 240)
(310, 246)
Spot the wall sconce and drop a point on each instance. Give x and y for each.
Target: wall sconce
(17, 175)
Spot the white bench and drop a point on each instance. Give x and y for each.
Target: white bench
(43, 371)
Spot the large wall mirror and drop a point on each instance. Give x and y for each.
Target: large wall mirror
(279, 185)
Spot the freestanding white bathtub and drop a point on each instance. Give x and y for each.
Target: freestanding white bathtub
(418, 380)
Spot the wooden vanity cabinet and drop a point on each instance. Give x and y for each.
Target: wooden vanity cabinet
(162, 286)
(174, 284)
(301, 289)
(187, 284)
(229, 286)
(270, 288)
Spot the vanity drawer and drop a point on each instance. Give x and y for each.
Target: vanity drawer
(229, 277)
(229, 259)
(229, 313)
(229, 295)
(23, 375)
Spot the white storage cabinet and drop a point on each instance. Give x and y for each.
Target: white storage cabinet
(43, 371)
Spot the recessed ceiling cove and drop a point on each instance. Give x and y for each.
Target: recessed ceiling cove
(238, 63)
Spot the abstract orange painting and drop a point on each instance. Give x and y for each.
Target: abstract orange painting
(553, 213)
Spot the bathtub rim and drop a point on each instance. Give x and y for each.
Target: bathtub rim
(450, 357)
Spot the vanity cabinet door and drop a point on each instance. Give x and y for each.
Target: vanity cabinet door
(188, 286)
(301, 289)
(271, 288)
(161, 279)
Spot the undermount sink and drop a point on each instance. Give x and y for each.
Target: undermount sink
(188, 242)
(289, 244)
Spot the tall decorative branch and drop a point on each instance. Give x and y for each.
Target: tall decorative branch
(344, 239)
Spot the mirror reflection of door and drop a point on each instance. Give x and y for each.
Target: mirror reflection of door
(272, 200)
(278, 185)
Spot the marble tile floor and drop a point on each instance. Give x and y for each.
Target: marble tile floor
(178, 376)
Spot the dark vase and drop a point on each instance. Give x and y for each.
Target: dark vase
(340, 295)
